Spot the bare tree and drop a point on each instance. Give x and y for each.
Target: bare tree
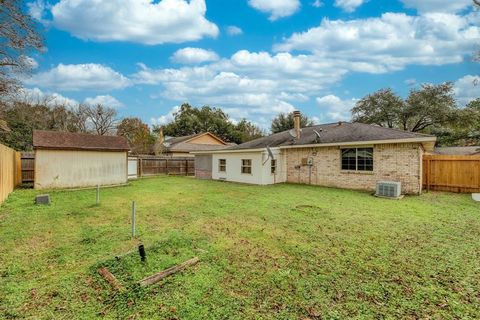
(17, 38)
(80, 118)
(103, 119)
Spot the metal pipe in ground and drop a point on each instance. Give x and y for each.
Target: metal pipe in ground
(133, 218)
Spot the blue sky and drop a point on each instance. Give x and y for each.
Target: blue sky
(253, 58)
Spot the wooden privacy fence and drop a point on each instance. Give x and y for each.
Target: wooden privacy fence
(28, 167)
(451, 173)
(10, 171)
(150, 166)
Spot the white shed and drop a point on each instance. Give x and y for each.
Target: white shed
(74, 160)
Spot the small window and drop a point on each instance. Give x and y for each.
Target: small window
(247, 166)
(273, 166)
(222, 165)
(357, 159)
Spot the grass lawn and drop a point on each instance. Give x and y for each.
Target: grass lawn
(266, 252)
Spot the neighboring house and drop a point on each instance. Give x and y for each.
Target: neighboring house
(344, 155)
(182, 146)
(72, 160)
(458, 151)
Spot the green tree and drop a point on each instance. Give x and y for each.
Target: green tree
(138, 135)
(382, 108)
(430, 106)
(247, 131)
(283, 122)
(22, 118)
(189, 120)
(426, 108)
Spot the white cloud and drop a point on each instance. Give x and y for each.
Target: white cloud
(317, 4)
(37, 9)
(29, 62)
(234, 31)
(390, 42)
(349, 5)
(143, 21)
(105, 100)
(166, 118)
(258, 85)
(410, 82)
(424, 6)
(276, 8)
(335, 109)
(73, 77)
(35, 95)
(194, 55)
(467, 89)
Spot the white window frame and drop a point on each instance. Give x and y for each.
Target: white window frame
(246, 166)
(220, 165)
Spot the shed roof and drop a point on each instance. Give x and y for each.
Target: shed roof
(77, 141)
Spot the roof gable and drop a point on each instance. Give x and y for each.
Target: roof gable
(77, 141)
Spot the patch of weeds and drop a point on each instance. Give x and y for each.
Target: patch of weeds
(129, 269)
(88, 240)
(310, 209)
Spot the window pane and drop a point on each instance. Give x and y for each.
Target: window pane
(246, 166)
(365, 159)
(273, 165)
(222, 165)
(349, 161)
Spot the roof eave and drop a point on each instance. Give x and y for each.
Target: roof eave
(253, 150)
(79, 149)
(427, 142)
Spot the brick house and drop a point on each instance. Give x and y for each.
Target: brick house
(342, 155)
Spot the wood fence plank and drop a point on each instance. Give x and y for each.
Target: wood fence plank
(452, 173)
(10, 171)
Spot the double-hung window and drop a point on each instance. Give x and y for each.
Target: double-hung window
(247, 166)
(357, 159)
(222, 165)
(273, 166)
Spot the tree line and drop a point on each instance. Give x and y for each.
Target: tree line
(430, 109)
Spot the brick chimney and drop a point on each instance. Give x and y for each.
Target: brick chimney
(296, 124)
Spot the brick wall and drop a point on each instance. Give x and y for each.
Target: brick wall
(203, 174)
(394, 162)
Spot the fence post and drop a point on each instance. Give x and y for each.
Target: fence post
(98, 194)
(133, 218)
(166, 165)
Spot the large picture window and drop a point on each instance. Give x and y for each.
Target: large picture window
(247, 166)
(357, 159)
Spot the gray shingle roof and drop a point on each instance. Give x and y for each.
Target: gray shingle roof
(181, 144)
(330, 133)
(77, 141)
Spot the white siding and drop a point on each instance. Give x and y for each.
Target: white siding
(261, 173)
(74, 169)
